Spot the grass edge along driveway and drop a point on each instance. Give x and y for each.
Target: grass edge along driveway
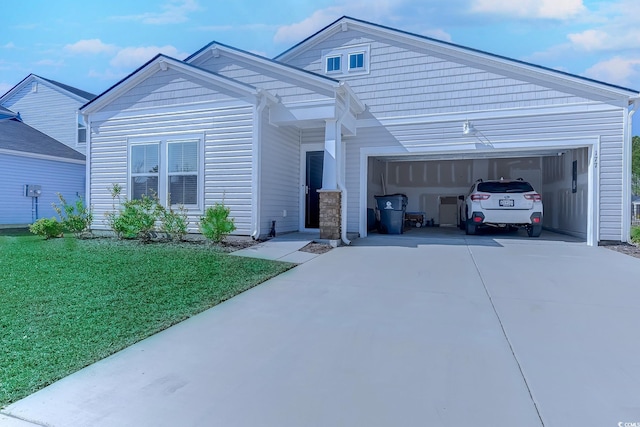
(67, 303)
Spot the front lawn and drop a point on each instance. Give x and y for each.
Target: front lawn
(66, 303)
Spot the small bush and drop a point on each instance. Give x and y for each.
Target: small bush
(635, 234)
(76, 218)
(47, 227)
(136, 219)
(215, 224)
(173, 223)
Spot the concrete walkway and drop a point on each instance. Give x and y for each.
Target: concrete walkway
(392, 331)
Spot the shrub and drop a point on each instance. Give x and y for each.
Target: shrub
(174, 224)
(76, 218)
(635, 234)
(136, 219)
(47, 227)
(215, 224)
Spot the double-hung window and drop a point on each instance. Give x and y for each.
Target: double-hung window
(356, 61)
(182, 172)
(144, 166)
(169, 169)
(333, 63)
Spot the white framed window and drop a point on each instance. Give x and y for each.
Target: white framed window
(347, 61)
(82, 131)
(333, 63)
(170, 168)
(356, 61)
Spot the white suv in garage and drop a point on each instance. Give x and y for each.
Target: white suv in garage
(503, 203)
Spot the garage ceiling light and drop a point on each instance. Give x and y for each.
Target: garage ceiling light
(469, 129)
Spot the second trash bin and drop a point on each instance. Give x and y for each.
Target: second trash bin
(392, 208)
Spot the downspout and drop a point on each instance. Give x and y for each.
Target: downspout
(87, 159)
(257, 156)
(628, 135)
(340, 170)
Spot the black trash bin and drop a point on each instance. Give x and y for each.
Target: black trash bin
(392, 209)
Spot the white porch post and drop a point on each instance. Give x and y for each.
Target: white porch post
(329, 175)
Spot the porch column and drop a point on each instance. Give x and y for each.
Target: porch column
(329, 177)
(330, 214)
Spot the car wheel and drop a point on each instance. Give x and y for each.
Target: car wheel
(534, 230)
(471, 227)
(461, 222)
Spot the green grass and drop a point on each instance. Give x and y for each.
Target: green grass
(66, 303)
(635, 234)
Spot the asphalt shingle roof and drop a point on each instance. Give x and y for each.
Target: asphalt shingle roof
(18, 136)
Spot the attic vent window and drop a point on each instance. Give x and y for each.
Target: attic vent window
(34, 87)
(333, 64)
(347, 61)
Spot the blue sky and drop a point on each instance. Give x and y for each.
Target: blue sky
(92, 45)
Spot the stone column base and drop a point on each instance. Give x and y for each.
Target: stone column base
(330, 214)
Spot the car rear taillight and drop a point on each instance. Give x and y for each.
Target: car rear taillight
(535, 197)
(536, 220)
(475, 197)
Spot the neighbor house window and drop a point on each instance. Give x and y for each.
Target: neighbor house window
(82, 131)
(356, 61)
(182, 171)
(333, 63)
(169, 169)
(144, 170)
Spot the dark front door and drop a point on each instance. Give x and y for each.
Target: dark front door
(315, 160)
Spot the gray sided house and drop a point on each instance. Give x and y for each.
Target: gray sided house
(50, 107)
(31, 160)
(353, 111)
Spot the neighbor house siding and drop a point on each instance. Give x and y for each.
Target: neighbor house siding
(54, 177)
(280, 178)
(227, 132)
(49, 111)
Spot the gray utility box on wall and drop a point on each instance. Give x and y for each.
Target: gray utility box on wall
(32, 190)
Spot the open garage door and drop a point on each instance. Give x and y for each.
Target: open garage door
(564, 176)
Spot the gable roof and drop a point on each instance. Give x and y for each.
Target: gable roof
(449, 49)
(6, 113)
(17, 137)
(70, 91)
(158, 63)
(215, 48)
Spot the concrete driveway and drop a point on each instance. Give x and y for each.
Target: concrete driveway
(393, 331)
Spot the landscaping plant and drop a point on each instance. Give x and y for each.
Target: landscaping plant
(47, 228)
(76, 218)
(215, 225)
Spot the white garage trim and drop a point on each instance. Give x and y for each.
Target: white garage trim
(507, 149)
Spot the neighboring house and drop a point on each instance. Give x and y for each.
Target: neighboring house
(51, 108)
(354, 110)
(33, 169)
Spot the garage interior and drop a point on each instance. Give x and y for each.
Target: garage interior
(432, 183)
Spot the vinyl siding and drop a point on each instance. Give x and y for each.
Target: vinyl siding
(227, 131)
(411, 89)
(54, 177)
(49, 111)
(280, 184)
(288, 89)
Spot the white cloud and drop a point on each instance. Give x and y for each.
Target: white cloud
(90, 46)
(132, 57)
(438, 34)
(9, 45)
(303, 29)
(617, 70)
(174, 12)
(50, 62)
(606, 39)
(544, 9)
